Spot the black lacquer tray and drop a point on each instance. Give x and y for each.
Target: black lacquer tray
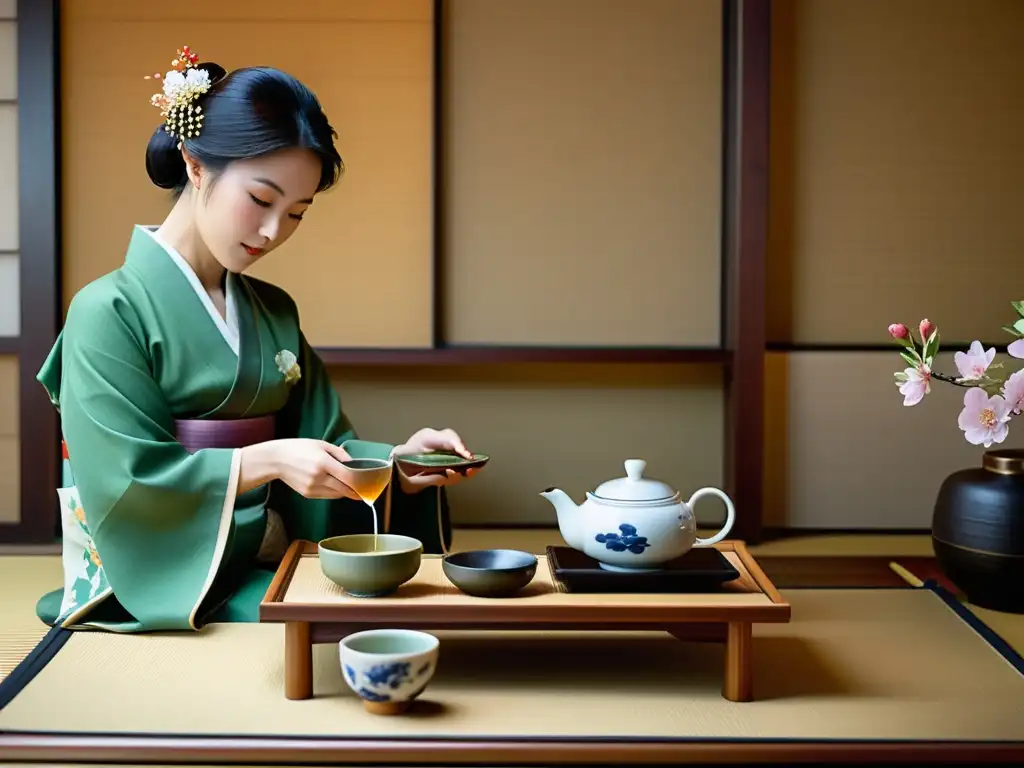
(702, 569)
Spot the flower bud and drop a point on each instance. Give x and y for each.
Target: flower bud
(927, 327)
(898, 331)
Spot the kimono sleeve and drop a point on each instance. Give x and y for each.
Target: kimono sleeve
(315, 410)
(159, 516)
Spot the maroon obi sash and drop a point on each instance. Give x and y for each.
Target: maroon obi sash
(217, 433)
(201, 433)
(195, 434)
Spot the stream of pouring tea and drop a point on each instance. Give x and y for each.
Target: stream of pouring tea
(369, 488)
(370, 483)
(373, 516)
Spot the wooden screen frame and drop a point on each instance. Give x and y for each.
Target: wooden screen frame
(39, 220)
(746, 30)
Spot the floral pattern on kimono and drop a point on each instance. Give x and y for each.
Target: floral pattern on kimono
(85, 582)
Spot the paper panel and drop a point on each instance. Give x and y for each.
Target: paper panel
(10, 445)
(10, 302)
(272, 11)
(897, 152)
(582, 172)
(8, 177)
(8, 396)
(359, 266)
(8, 58)
(842, 451)
(10, 479)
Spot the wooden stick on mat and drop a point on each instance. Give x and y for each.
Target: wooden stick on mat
(906, 575)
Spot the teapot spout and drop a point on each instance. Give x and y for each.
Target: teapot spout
(567, 512)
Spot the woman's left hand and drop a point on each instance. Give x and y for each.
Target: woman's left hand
(428, 440)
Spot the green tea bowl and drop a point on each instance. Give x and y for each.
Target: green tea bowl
(388, 668)
(356, 566)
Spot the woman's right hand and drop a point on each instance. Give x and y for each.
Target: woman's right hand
(310, 467)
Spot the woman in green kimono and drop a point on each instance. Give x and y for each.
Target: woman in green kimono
(201, 431)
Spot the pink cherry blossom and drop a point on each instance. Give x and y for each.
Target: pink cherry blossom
(973, 363)
(1016, 348)
(1013, 392)
(917, 385)
(926, 328)
(898, 331)
(984, 419)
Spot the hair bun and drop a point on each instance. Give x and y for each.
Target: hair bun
(214, 70)
(220, 117)
(164, 162)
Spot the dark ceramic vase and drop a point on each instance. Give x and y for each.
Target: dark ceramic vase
(978, 531)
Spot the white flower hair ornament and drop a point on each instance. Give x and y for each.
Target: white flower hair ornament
(183, 84)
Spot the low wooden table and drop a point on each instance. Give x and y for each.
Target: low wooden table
(315, 610)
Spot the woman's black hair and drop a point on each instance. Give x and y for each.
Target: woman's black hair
(247, 113)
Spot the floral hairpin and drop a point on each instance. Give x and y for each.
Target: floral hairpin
(183, 84)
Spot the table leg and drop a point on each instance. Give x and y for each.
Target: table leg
(298, 660)
(739, 663)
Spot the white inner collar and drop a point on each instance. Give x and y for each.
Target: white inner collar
(228, 328)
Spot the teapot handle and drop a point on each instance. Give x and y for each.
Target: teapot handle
(730, 516)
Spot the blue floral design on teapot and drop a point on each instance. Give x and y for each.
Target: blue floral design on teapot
(625, 540)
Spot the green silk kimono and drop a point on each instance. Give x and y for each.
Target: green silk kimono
(155, 537)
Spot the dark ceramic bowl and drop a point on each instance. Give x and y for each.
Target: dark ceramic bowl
(490, 572)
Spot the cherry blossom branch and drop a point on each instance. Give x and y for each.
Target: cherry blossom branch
(986, 414)
(976, 366)
(952, 380)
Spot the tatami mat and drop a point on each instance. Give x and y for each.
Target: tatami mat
(25, 578)
(853, 664)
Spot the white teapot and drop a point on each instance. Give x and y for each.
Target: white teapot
(634, 524)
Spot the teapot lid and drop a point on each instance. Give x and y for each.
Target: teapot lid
(634, 487)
